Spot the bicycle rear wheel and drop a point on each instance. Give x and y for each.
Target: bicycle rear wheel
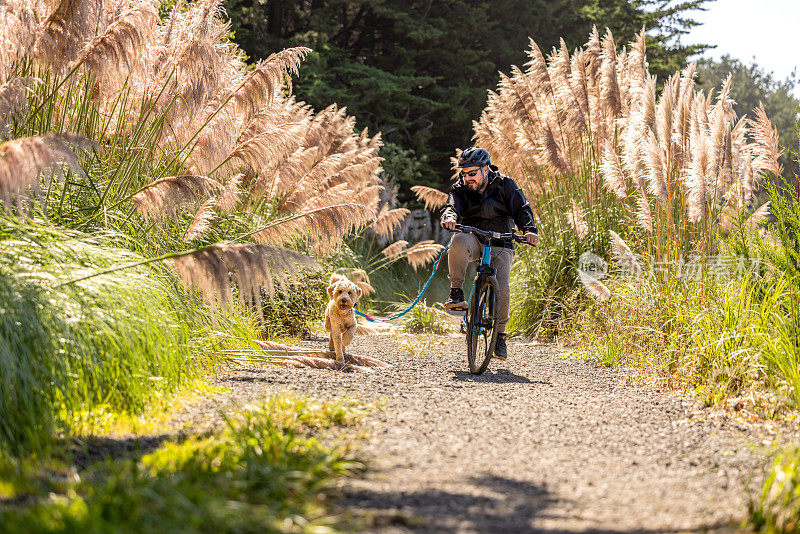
(481, 323)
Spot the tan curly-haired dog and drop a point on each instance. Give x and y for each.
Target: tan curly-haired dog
(340, 315)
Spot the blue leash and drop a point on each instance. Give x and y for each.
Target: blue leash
(416, 300)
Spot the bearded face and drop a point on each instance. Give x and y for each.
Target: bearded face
(474, 177)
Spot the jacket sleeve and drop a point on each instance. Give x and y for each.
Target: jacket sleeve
(520, 209)
(452, 210)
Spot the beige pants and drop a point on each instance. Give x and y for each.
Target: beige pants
(465, 248)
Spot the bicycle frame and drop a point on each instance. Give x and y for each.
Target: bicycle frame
(485, 267)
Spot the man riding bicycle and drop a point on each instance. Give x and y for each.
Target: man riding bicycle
(484, 198)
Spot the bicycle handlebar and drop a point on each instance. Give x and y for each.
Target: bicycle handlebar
(494, 235)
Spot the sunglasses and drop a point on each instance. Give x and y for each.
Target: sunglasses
(470, 173)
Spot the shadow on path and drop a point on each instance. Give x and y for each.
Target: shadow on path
(499, 376)
(508, 506)
(431, 510)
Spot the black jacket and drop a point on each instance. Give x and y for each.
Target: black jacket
(501, 205)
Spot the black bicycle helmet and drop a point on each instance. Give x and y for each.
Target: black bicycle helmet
(474, 157)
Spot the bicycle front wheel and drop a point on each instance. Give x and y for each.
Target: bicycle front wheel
(482, 323)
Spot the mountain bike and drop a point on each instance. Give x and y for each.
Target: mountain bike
(480, 317)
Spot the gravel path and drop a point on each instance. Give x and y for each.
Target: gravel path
(540, 443)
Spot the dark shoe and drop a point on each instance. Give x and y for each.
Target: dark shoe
(500, 349)
(456, 300)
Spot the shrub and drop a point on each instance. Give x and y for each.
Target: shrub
(294, 312)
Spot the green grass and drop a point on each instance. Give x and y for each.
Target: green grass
(112, 343)
(705, 335)
(424, 319)
(778, 509)
(263, 472)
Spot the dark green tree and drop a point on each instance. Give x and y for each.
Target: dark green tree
(418, 71)
(750, 85)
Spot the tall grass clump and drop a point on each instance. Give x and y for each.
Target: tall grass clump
(778, 507)
(724, 325)
(155, 127)
(112, 342)
(597, 148)
(146, 125)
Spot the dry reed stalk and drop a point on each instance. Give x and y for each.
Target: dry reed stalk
(759, 216)
(395, 249)
(201, 223)
(624, 256)
(23, 160)
(231, 194)
(123, 42)
(766, 146)
(577, 82)
(162, 198)
(325, 226)
(361, 279)
(253, 266)
(270, 345)
(644, 217)
(572, 120)
(19, 24)
(422, 253)
(682, 116)
(609, 88)
(14, 98)
(388, 220)
(369, 196)
(227, 115)
(65, 30)
(273, 143)
(612, 172)
(433, 198)
(698, 172)
(268, 76)
(656, 167)
(684, 149)
(595, 287)
(301, 357)
(286, 175)
(637, 71)
(576, 221)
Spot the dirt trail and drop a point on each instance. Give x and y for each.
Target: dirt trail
(540, 443)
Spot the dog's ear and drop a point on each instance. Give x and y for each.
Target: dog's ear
(335, 278)
(332, 287)
(358, 292)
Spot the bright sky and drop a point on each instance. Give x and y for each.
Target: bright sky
(764, 31)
